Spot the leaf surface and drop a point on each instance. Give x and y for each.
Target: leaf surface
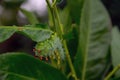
(35, 33)
(19, 66)
(115, 47)
(94, 41)
(6, 33)
(75, 9)
(30, 16)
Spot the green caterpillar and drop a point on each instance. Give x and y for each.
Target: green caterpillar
(48, 47)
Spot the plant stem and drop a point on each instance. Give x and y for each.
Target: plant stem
(61, 33)
(68, 76)
(112, 72)
(59, 28)
(69, 60)
(51, 11)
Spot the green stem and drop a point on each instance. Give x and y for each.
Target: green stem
(51, 11)
(59, 28)
(69, 60)
(68, 76)
(54, 3)
(112, 72)
(61, 33)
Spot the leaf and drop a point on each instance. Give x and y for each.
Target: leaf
(70, 30)
(6, 33)
(65, 19)
(18, 66)
(94, 41)
(115, 47)
(30, 16)
(115, 78)
(40, 25)
(36, 34)
(75, 9)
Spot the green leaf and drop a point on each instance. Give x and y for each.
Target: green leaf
(36, 34)
(75, 9)
(30, 16)
(40, 25)
(65, 19)
(94, 41)
(115, 78)
(6, 33)
(115, 47)
(18, 66)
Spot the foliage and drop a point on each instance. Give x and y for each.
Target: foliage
(94, 41)
(74, 45)
(28, 68)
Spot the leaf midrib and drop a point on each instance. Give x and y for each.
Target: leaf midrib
(30, 28)
(86, 48)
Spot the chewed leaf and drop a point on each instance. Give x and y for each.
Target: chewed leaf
(49, 46)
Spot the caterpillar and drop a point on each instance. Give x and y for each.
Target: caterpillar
(47, 48)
